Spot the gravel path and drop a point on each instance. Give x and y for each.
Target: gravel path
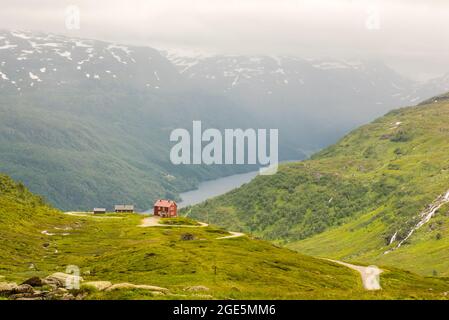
(370, 275)
(233, 235)
(89, 215)
(155, 222)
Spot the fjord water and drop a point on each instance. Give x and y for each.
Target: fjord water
(213, 188)
(216, 187)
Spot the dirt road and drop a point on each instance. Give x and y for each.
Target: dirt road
(155, 222)
(89, 215)
(233, 235)
(370, 275)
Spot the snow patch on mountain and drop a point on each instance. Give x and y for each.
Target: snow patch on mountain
(34, 77)
(252, 75)
(7, 46)
(3, 76)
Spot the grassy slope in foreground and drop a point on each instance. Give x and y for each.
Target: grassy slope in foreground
(117, 250)
(349, 200)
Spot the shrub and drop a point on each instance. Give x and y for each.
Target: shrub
(401, 136)
(187, 237)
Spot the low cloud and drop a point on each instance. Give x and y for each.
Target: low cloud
(409, 35)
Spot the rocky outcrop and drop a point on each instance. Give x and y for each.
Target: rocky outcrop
(98, 285)
(196, 288)
(34, 289)
(26, 292)
(7, 288)
(121, 286)
(34, 282)
(23, 288)
(53, 287)
(59, 279)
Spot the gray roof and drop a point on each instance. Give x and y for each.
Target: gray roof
(126, 207)
(99, 209)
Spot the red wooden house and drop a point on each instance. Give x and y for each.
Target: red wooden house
(165, 208)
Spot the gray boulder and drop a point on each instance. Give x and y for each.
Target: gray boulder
(6, 288)
(34, 282)
(23, 288)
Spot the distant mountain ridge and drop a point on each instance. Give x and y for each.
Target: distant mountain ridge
(87, 123)
(35, 60)
(314, 101)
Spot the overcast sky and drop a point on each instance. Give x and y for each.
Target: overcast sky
(412, 36)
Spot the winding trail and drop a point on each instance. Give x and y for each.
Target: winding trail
(89, 215)
(151, 221)
(155, 222)
(233, 235)
(370, 275)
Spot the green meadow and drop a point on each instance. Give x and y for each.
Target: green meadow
(115, 248)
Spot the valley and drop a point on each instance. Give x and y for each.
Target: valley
(375, 197)
(89, 124)
(85, 123)
(117, 259)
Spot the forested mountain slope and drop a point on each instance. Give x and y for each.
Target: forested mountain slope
(378, 195)
(86, 123)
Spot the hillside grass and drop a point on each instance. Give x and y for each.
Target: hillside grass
(348, 200)
(118, 250)
(179, 221)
